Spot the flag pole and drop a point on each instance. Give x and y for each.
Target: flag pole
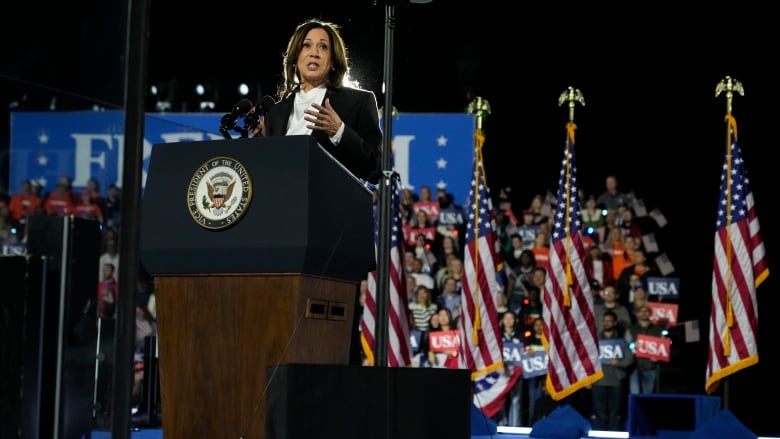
(481, 108)
(572, 96)
(730, 86)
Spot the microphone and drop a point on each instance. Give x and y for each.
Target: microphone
(241, 108)
(228, 121)
(261, 109)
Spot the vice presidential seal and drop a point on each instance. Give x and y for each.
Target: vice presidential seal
(219, 193)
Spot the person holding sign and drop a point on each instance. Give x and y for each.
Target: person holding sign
(616, 358)
(512, 410)
(644, 377)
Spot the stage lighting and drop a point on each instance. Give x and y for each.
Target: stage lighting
(162, 95)
(206, 95)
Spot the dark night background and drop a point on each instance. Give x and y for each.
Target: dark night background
(647, 71)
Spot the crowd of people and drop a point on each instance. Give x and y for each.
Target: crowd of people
(618, 269)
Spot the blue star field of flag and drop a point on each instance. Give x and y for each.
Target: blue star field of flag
(481, 220)
(574, 216)
(739, 189)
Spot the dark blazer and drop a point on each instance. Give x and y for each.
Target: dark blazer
(360, 147)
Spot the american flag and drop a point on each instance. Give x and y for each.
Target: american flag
(567, 311)
(481, 342)
(739, 268)
(399, 325)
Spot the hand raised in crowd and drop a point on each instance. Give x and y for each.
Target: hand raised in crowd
(323, 118)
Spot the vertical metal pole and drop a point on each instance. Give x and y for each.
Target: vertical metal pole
(135, 78)
(385, 192)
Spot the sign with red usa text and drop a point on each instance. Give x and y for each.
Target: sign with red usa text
(654, 348)
(663, 314)
(411, 234)
(430, 207)
(444, 341)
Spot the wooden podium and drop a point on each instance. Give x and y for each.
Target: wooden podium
(274, 281)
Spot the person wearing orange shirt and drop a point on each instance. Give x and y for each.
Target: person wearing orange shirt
(24, 203)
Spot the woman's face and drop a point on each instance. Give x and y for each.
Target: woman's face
(444, 317)
(314, 60)
(508, 320)
(422, 295)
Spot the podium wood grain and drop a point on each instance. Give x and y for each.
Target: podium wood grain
(219, 333)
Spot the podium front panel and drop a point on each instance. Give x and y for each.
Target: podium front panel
(307, 213)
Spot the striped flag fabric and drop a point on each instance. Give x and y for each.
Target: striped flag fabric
(739, 267)
(481, 342)
(567, 310)
(399, 350)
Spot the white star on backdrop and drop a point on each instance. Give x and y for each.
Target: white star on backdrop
(441, 163)
(43, 160)
(441, 141)
(43, 138)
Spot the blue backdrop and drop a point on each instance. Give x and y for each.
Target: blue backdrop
(430, 149)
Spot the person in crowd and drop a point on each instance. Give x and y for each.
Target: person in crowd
(640, 266)
(629, 224)
(610, 303)
(448, 245)
(531, 309)
(510, 413)
(59, 202)
(448, 359)
(644, 377)
(86, 207)
(8, 232)
(519, 274)
(534, 345)
(612, 197)
(537, 209)
(109, 255)
(315, 101)
(450, 298)
(24, 203)
(592, 216)
(423, 251)
(599, 269)
(505, 205)
(108, 287)
(639, 298)
(422, 309)
(541, 250)
(609, 392)
(527, 229)
(113, 207)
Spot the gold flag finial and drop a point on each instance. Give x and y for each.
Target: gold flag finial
(481, 108)
(729, 85)
(572, 96)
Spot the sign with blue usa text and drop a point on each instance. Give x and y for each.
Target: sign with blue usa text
(612, 349)
(430, 149)
(533, 359)
(664, 287)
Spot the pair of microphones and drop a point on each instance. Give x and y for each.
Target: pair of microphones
(252, 114)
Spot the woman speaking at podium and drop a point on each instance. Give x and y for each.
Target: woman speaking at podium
(314, 101)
